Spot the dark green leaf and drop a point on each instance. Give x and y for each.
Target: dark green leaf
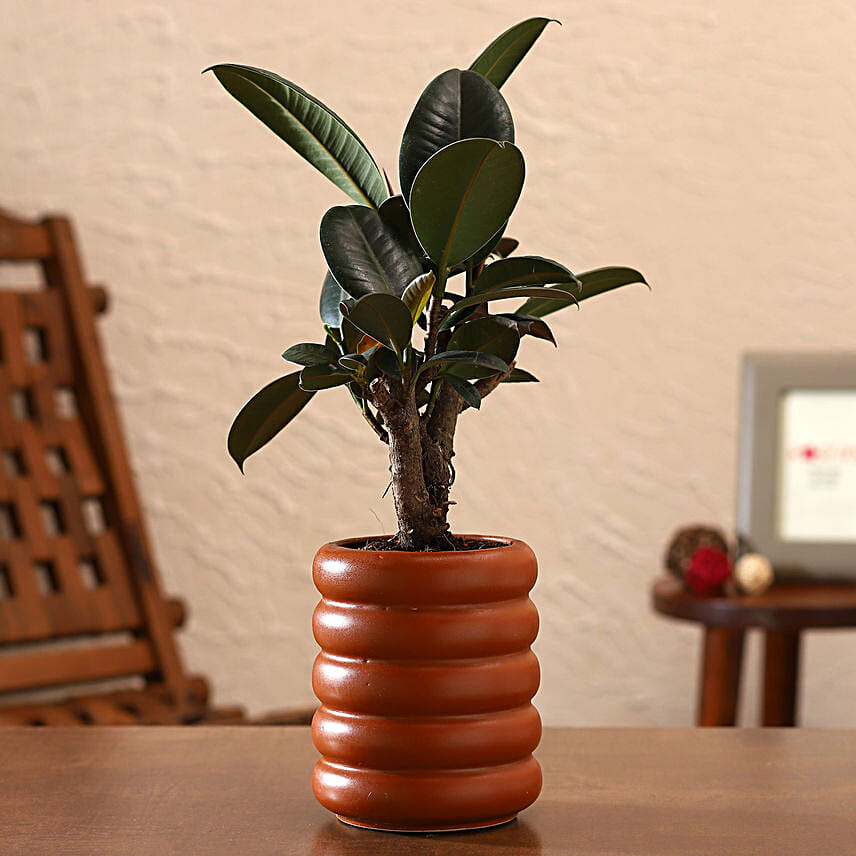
(395, 214)
(463, 195)
(522, 270)
(455, 105)
(351, 337)
(520, 376)
(353, 362)
(311, 129)
(594, 282)
(322, 377)
(265, 415)
(481, 254)
(332, 294)
(528, 325)
(460, 358)
(385, 318)
(465, 389)
(385, 361)
(309, 354)
(501, 56)
(416, 294)
(555, 293)
(331, 343)
(506, 246)
(364, 253)
(491, 335)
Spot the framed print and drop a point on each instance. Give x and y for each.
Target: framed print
(796, 498)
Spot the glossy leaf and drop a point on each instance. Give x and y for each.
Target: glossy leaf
(461, 358)
(309, 127)
(456, 105)
(396, 215)
(593, 282)
(520, 376)
(322, 377)
(506, 246)
(502, 55)
(523, 270)
(364, 254)
(353, 362)
(309, 354)
(482, 254)
(417, 294)
(331, 343)
(385, 318)
(465, 389)
(491, 335)
(463, 195)
(385, 361)
(554, 293)
(351, 336)
(332, 294)
(265, 415)
(529, 325)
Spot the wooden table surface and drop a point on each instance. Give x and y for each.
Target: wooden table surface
(242, 791)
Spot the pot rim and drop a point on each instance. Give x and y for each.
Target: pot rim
(501, 541)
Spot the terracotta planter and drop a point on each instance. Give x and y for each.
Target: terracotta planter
(425, 679)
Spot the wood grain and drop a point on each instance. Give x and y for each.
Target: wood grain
(225, 791)
(786, 606)
(721, 667)
(80, 593)
(782, 613)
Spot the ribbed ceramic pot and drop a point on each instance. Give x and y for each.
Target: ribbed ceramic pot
(425, 679)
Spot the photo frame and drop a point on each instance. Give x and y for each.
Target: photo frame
(796, 498)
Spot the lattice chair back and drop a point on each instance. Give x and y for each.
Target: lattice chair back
(80, 599)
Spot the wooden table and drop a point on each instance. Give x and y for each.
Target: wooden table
(782, 613)
(242, 791)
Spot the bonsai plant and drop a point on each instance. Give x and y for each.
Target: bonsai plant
(418, 328)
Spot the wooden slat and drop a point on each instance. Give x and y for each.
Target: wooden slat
(21, 241)
(14, 365)
(53, 715)
(102, 710)
(64, 458)
(65, 273)
(75, 665)
(147, 708)
(100, 616)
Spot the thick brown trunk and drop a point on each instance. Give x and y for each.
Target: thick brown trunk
(439, 447)
(438, 442)
(419, 524)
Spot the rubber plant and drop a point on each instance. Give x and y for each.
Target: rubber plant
(416, 305)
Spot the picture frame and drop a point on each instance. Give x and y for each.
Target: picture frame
(796, 496)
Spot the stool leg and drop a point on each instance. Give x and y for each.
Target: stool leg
(719, 684)
(781, 677)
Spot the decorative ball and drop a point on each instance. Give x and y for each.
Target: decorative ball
(753, 573)
(708, 571)
(686, 542)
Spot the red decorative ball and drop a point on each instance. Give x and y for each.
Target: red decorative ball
(709, 569)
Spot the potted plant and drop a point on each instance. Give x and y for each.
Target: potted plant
(425, 675)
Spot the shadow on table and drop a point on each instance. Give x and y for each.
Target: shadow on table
(338, 839)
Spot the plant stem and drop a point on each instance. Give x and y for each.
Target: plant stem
(419, 523)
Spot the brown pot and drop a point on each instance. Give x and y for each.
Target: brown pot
(425, 678)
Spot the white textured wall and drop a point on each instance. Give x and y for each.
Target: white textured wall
(708, 143)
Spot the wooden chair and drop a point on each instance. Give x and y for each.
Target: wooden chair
(80, 596)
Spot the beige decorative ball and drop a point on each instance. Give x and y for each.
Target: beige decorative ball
(753, 573)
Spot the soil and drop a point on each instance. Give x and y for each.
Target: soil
(451, 543)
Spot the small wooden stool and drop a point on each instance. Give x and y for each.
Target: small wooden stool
(782, 613)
